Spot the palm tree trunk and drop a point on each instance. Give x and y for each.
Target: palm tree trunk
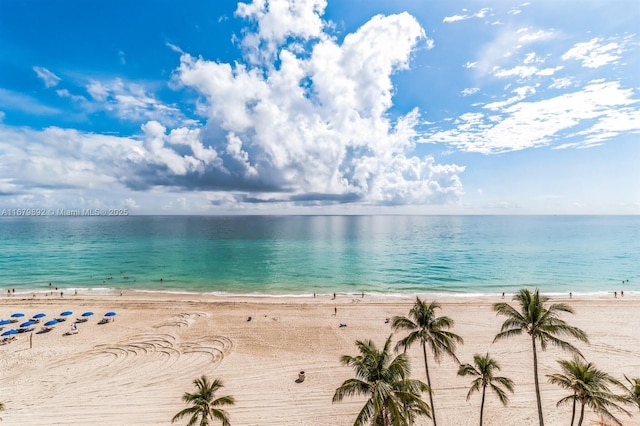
(535, 374)
(484, 390)
(426, 367)
(573, 411)
(581, 415)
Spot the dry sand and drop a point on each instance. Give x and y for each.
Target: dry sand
(133, 371)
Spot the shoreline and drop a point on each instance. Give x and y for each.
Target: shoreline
(135, 369)
(116, 291)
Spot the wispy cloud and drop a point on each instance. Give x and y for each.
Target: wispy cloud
(482, 13)
(595, 53)
(21, 102)
(49, 78)
(602, 109)
(126, 100)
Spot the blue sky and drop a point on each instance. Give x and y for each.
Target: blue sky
(312, 106)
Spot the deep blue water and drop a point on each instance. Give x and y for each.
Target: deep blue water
(323, 254)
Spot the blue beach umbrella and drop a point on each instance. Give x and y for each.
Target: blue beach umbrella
(9, 332)
(50, 323)
(27, 324)
(40, 315)
(17, 315)
(87, 314)
(5, 322)
(110, 314)
(66, 313)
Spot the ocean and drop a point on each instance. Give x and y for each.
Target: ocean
(301, 255)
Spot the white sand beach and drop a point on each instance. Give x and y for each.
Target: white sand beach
(134, 370)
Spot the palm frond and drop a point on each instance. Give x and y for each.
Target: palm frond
(392, 395)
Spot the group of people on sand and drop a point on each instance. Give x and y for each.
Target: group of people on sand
(7, 339)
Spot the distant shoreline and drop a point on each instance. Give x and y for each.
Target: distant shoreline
(378, 296)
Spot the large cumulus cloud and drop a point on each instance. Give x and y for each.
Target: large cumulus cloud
(315, 124)
(303, 119)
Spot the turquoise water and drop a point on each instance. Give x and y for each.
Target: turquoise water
(304, 254)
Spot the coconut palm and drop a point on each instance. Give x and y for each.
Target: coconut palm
(204, 405)
(483, 370)
(590, 387)
(633, 391)
(542, 323)
(394, 398)
(431, 331)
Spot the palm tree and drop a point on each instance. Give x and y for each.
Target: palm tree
(633, 391)
(394, 398)
(540, 322)
(429, 330)
(590, 387)
(483, 369)
(204, 405)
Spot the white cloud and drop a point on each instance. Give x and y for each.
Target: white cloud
(482, 13)
(561, 83)
(312, 127)
(277, 20)
(528, 37)
(328, 113)
(503, 51)
(127, 101)
(470, 91)
(530, 58)
(526, 72)
(520, 94)
(594, 54)
(49, 78)
(602, 109)
(455, 18)
(64, 93)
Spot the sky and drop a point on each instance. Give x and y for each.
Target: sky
(321, 106)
